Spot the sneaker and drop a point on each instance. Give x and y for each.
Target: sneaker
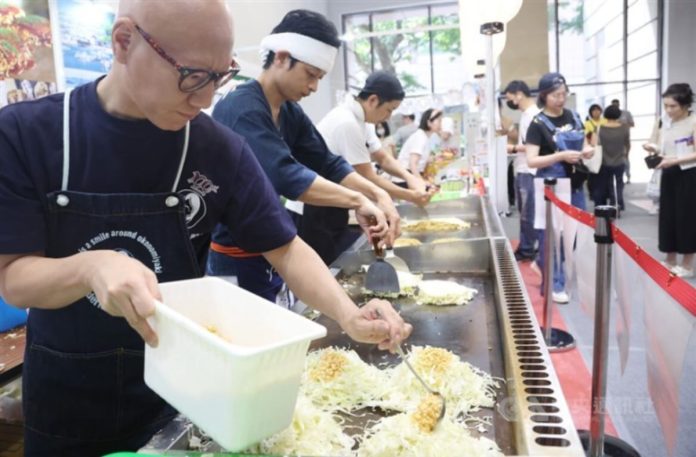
(560, 297)
(682, 272)
(523, 257)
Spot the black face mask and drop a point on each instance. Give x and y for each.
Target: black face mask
(512, 105)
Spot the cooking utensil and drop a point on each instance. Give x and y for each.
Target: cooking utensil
(381, 277)
(398, 263)
(423, 383)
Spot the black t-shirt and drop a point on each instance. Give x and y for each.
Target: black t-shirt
(113, 155)
(538, 134)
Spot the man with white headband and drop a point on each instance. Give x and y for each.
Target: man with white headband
(349, 131)
(297, 54)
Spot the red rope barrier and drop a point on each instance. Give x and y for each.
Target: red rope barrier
(680, 290)
(572, 211)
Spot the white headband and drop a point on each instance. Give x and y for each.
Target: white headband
(301, 47)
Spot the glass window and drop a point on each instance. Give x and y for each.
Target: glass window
(447, 60)
(644, 67)
(419, 44)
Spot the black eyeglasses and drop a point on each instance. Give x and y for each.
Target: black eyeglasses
(192, 79)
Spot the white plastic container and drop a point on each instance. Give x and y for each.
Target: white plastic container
(228, 360)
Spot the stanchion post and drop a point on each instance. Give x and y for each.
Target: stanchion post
(556, 340)
(604, 215)
(549, 183)
(595, 441)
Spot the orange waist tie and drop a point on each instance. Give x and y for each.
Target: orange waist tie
(232, 251)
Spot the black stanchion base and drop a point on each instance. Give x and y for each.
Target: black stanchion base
(613, 446)
(561, 340)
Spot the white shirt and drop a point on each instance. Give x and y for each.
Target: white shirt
(346, 133)
(520, 162)
(417, 143)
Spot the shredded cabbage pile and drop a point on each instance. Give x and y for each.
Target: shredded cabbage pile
(399, 436)
(465, 388)
(442, 224)
(338, 380)
(312, 432)
(440, 293)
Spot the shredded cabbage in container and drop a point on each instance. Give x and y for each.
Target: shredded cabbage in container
(400, 436)
(338, 380)
(465, 388)
(439, 292)
(312, 432)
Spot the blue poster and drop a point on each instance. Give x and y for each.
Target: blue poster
(85, 34)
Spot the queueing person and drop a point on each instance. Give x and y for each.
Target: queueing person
(300, 50)
(614, 139)
(627, 120)
(117, 185)
(520, 97)
(348, 131)
(674, 141)
(556, 141)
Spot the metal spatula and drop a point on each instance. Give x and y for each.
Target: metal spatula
(398, 263)
(381, 277)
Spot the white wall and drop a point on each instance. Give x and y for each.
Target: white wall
(679, 38)
(254, 19)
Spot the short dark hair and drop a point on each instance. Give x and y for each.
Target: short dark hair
(612, 112)
(410, 116)
(307, 23)
(517, 86)
(426, 116)
(681, 93)
(365, 95)
(593, 107)
(615, 101)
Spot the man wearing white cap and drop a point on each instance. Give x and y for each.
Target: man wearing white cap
(408, 128)
(349, 131)
(296, 55)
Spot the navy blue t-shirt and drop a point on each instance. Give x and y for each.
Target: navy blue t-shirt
(112, 155)
(292, 155)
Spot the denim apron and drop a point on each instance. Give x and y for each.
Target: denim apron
(83, 387)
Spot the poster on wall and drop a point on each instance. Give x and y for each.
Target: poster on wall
(27, 68)
(85, 38)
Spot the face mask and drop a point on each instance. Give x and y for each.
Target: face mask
(512, 105)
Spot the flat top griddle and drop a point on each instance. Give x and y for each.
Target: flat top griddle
(459, 329)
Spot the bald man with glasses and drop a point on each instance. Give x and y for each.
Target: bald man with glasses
(107, 190)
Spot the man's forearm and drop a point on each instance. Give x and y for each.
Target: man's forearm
(33, 281)
(389, 164)
(394, 191)
(323, 192)
(310, 280)
(359, 184)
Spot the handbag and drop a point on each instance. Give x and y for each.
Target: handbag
(653, 160)
(594, 163)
